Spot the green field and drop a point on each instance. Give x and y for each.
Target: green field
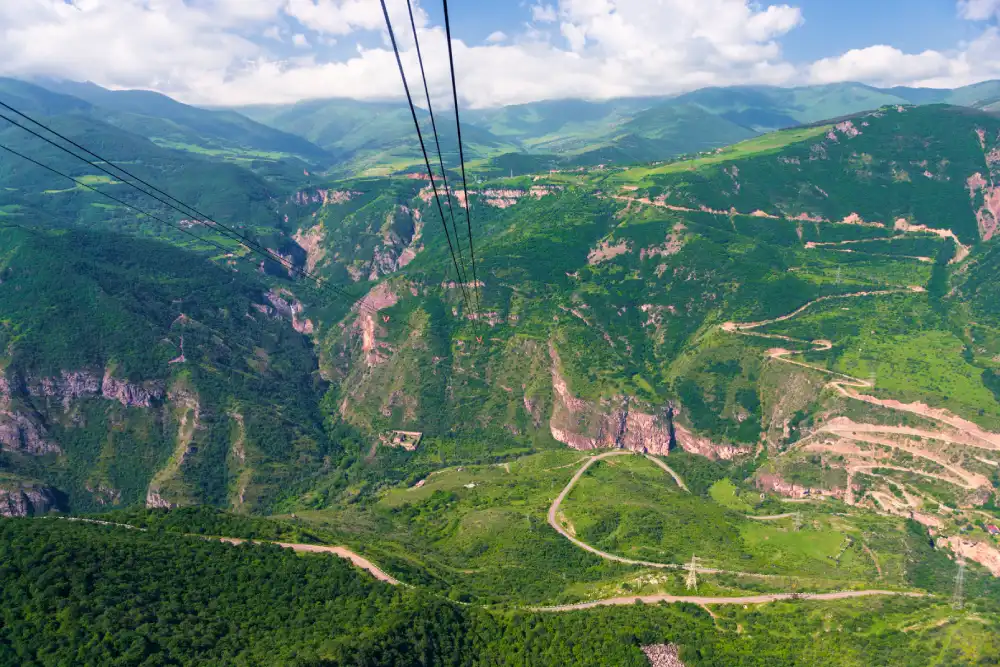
(763, 145)
(622, 506)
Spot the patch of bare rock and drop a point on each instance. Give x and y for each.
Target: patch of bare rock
(663, 655)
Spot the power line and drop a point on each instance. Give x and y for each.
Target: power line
(461, 155)
(423, 149)
(190, 210)
(199, 217)
(437, 142)
(144, 212)
(113, 198)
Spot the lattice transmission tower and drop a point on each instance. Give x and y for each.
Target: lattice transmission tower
(692, 578)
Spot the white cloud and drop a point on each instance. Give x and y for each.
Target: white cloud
(543, 13)
(224, 51)
(978, 10)
(888, 66)
(881, 64)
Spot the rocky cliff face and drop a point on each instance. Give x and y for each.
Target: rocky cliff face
(168, 488)
(23, 430)
(284, 304)
(20, 432)
(618, 424)
(72, 385)
(400, 242)
(27, 500)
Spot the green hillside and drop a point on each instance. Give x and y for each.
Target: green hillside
(372, 137)
(376, 137)
(197, 601)
(136, 372)
(757, 370)
(165, 121)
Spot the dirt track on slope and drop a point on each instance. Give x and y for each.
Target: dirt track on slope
(554, 522)
(957, 430)
(749, 599)
(342, 552)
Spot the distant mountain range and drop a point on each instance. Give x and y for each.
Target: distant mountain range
(350, 137)
(579, 132)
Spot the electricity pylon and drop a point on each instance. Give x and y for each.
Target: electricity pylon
(692, 578)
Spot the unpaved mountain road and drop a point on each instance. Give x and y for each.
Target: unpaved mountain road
(342, 552)
(749, 599)
(848, 386)
(557, 526)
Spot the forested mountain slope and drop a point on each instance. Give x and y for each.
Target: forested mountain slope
(161, 119)
(805, 316)
(195, 601)
(133, 371)
(578, 132)
(605, 290)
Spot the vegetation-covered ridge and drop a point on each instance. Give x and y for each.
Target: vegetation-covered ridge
(192, 601)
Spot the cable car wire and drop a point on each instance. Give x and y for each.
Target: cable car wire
(437, 142)
(423, 149)
(223, 230)
(461, 156)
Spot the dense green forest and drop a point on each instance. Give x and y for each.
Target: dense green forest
(807, 315)
(93, 595)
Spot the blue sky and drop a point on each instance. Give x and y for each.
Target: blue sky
(508, 51)
(830, 27)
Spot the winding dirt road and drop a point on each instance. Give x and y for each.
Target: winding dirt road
(557, 526)
(702, 600)
(871, 437)
(342, 552)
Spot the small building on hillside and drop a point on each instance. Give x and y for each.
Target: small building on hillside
(408, 440)
(992, 529)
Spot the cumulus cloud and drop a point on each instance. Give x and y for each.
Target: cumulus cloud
(225, 51)
(887, 66)
(543, 13)
(978, 10)
(203, 51)
(272, 32)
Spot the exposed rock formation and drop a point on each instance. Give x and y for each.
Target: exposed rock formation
(186, 408)
(311, 240)
(663, 655)
(605, 250)
(585, 425)
(284, 304)
(104, 495)
(986, 195)
(155, 501)
(324, 197)
(72, 385)
(27, 500)
(401, 235)
(19, 432)
(382, 296)
(131, 395)
(774, 483)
